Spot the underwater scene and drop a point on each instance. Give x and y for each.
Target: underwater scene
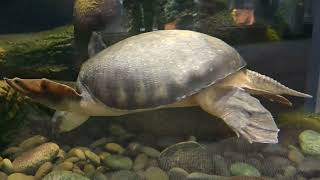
(159, 90)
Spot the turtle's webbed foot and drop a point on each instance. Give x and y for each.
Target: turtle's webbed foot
(247, 117)
(253, 126)
(243, 113)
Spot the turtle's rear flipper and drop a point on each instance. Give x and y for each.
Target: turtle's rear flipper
(64, 121)
(243, 113)
(272, 97)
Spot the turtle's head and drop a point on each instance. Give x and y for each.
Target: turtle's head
(52, 94)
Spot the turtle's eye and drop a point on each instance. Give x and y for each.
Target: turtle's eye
(16, 81)
(44, 86)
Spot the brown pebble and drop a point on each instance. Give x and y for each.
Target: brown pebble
(140, 162)
(104, 155)
(30, 161)
(65, 166)
(78, 153)
(72, 159)
(76, 169)
(3, 176)
(43, 170)
(20, 176)
(7, 166)
(114, 148)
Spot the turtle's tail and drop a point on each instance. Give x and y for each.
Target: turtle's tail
(270, 85)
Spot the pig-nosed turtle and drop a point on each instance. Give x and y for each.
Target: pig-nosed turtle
(165, 69)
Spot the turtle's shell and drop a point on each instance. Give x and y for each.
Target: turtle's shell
(157, 68)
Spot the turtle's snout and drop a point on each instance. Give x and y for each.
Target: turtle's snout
(21, 85)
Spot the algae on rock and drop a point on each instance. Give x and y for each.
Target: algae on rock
(300, 119)
(37, 55)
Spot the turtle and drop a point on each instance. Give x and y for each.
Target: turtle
(165, 69)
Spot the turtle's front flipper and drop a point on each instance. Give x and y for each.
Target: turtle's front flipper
(242, 112)
(66, 121)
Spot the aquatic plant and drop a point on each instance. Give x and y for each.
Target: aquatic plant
(272, 34)
(12, 113)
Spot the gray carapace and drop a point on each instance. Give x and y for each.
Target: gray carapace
(165, 69)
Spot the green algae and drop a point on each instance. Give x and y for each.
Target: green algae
(81, 7)
(41, 54)
(272, 34)
(300, 119)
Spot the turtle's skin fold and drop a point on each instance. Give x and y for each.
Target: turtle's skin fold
(165, 69)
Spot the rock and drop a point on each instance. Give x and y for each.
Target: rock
(65, 166)
(11, 151)
(98, 176)
(117, 130)
(256, 155)
(72, 159)
(310, 142)
(255, 163)
(155, 173)
(101, 142)
(125, 175)
(149, 151)
(134, 147)
(203, 176)
(279, 177)
(310, 167)
(32, 142)
(301, 178)
(275, 149)
(3, 176)
(295, 156)
(220, 166)
(114, 148)
(77, 152)
(153, 162)
(20, 176)
(76, 169)
(118, 162)
(92, 157)
(103, 169)
(104, 155)
(82, 163)
(64, 175)
(274, 164)
(316, 178)
(30, 161)
(234, 156)
(243, 169)
(61, 155)
(141, 175)
(140, 162)
(43, 170)
(289, 172)
(7, 166)
(190, 156)
(89, 168)
(177, 174)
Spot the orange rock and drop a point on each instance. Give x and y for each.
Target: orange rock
(243, 16)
